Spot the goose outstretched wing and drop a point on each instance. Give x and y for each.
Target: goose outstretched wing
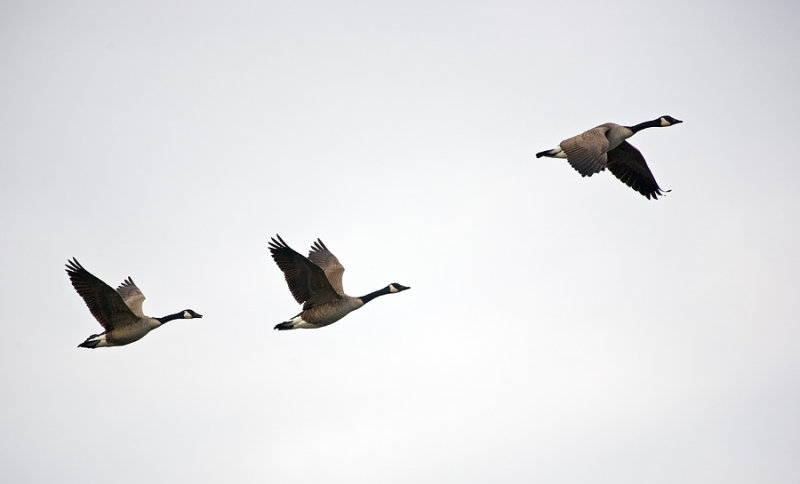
(307, 281)
(627, 163)
(132, 296)
(321, 256)
(587, 151)
(105, 304)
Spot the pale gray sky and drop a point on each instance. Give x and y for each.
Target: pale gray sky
(558, 330)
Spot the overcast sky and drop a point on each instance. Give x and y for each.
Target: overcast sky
(559, 329)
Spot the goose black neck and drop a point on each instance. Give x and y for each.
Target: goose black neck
(647, 124)
(170, 317)
(369, 297)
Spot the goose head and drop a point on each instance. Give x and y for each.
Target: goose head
(668, 120)
(395, 287)
(189, 314)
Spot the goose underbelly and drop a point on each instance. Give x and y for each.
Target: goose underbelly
(330, 313)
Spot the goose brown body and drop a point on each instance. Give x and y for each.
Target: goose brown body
(118, 311)
(316, 283)
(605, 146)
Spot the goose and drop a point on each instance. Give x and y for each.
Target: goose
(118, 312)
(316, 283)
(605, 147)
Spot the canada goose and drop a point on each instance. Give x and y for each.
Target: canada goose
(605, 147)
(119, 312)
(316, 282)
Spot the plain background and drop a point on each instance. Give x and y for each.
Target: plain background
(559, 329)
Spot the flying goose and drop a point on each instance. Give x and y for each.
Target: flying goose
(316, 283)
(119, 312)
(605, 147)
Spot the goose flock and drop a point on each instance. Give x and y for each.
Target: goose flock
(316, 281)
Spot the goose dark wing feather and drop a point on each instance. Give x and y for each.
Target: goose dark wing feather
(307, 281)
(321, 256)
(628, 165)
(587, 151)
(105, 304)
